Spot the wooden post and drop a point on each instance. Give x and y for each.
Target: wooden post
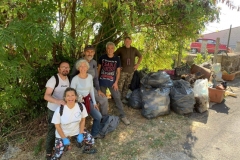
(180, 53)
(216, 51)
(238, 47)
(229, 36)
(203, 46)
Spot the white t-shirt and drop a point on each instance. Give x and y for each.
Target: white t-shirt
(58, 91)
(84, 86)
(69, 120)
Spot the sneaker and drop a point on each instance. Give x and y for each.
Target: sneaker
(124, 101)
(98, 136)
(125, 120)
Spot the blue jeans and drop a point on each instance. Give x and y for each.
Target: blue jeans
(117, 98)
(97, 116)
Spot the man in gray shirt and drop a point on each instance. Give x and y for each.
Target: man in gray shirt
(100, 97)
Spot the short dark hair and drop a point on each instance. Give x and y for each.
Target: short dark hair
(63, 62)
(127, 38)
(89, 47)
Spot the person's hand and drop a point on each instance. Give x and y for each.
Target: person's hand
(135, 67)
(66, 141)
(80, 138)
(60, 102)
(100, 93)
(115, 86)
(96, 106)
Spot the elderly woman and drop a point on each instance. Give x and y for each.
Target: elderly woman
(83, 83)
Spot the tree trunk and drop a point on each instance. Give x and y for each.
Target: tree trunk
(179, 54)
(73, 26)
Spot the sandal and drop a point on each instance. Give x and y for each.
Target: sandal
(90, 151)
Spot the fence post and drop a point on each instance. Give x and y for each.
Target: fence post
(216, 51)
(238, 47)
(203, 46)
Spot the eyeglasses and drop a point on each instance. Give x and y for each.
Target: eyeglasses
(64, 67)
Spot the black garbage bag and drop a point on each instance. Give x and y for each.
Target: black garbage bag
(143, 73)
(135, 100)
(182, 97)
(135, 82)
(158, 79)
(155, 102)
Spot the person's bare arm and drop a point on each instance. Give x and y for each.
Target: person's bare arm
(138, 63)
(100, 93)
(48, 97)
(82, 125)
(59, 130)
(99, 69)
(118, 74)
(115, 84)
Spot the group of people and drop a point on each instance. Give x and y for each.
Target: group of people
(70, 103)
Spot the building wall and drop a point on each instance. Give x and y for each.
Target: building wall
(223, 35)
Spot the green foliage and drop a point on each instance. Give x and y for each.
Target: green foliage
(36, 35)
(19, 93)
(22, 99)
(38, 147)
(157, 55)
(201, 58)
(26, 63)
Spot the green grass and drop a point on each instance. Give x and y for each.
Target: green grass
(130, 148)
(156, 143)
(144, 128)
(38, 147)
(152, 122)
(170, 136)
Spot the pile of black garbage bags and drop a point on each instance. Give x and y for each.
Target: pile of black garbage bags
(156, 93)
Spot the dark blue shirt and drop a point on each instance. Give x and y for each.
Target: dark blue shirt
(108, 70)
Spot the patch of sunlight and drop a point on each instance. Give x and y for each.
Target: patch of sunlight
(196, 125)
(123, 137)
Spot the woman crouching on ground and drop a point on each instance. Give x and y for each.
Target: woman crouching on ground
(69, 121)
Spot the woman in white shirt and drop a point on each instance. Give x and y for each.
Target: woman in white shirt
(69, 121)
(83, 83)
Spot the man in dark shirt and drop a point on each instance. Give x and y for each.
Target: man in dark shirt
(127, 56)
(109, 74)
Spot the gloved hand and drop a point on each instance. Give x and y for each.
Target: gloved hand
(66, 141)
(80, 138)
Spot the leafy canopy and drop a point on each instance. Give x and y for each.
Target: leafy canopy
(36, 35)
